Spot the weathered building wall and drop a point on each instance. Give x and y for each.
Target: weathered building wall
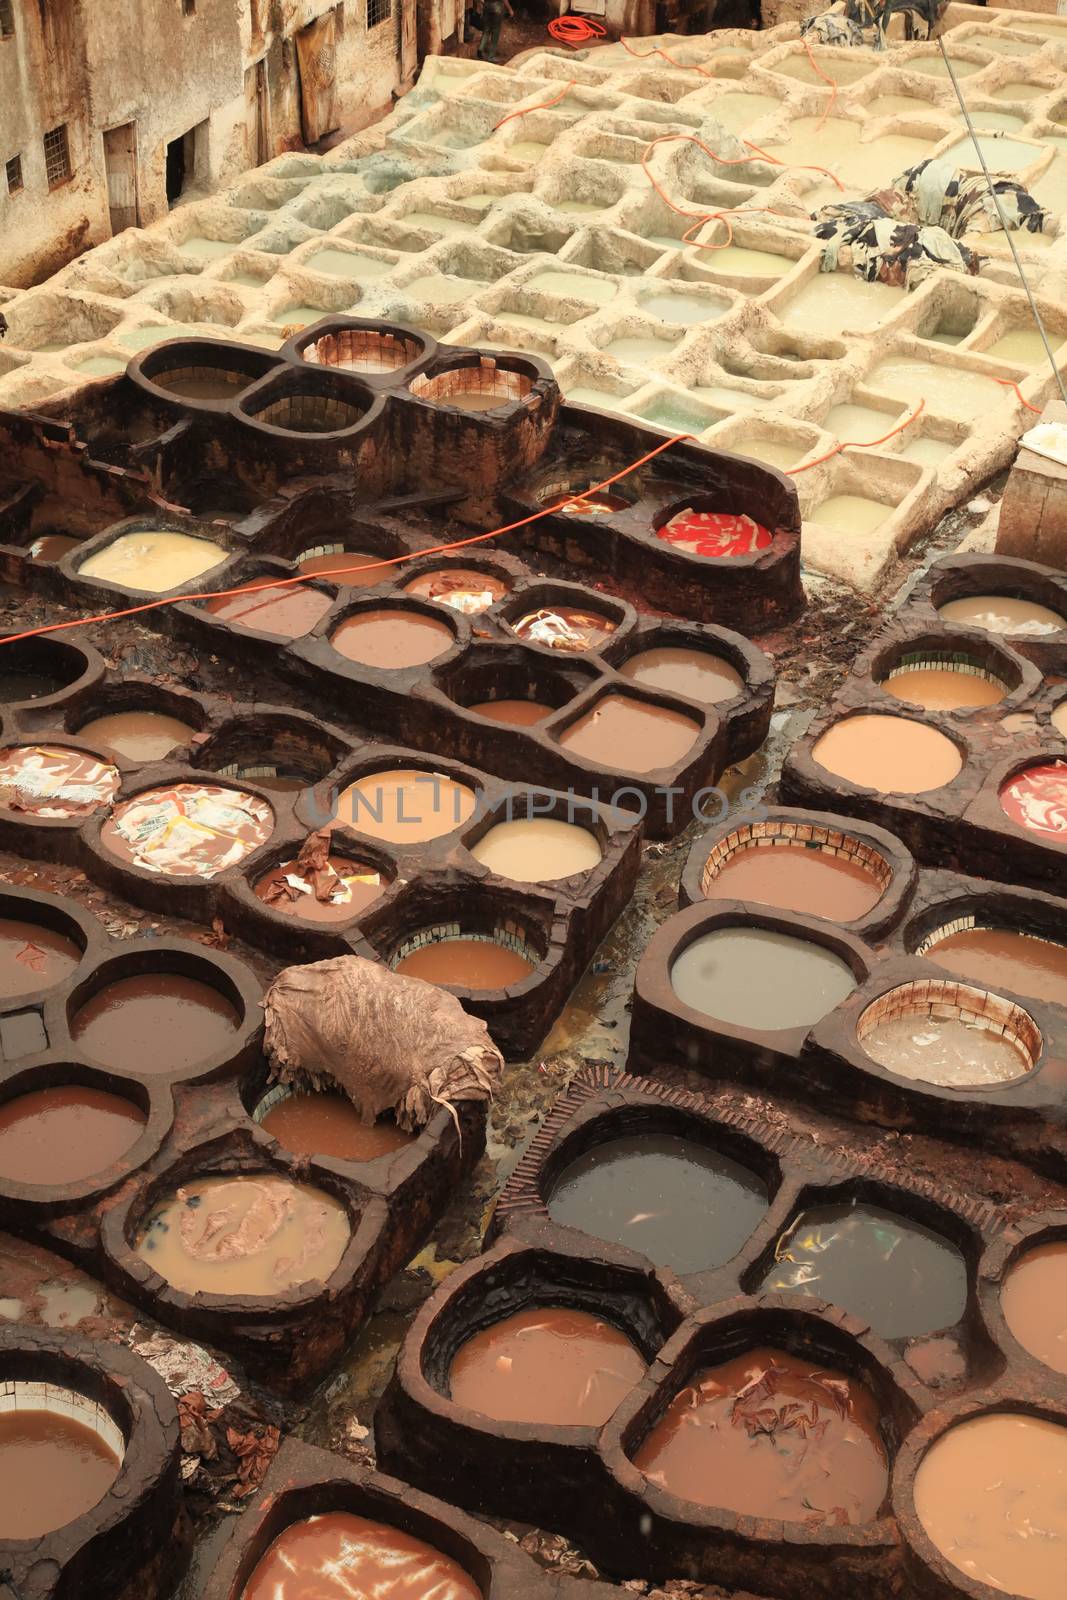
(142, 74)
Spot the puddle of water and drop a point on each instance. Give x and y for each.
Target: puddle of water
(65, 1304)
(12, 1310)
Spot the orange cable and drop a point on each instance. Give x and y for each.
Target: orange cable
(576, 31)
(556, 98)
(333, 572)
(1009, 383)
(857, 444)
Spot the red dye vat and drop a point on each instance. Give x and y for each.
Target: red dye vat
(716, 533)
(1036, 799)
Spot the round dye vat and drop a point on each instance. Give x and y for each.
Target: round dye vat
(49, 781)
(715, 533)
(404, 805)
(889, 754)
(53, 1468)
(245, 1235)
(154, 560)
(463, 588)
(597, 503)
(547, 1365)
(357, 569)
(1006, 960)
(156, 1022)
(945, 1050)
(564, 628)
(758, 978)
(286, 613)
(517, 713)
(1001, 613)
(1036, 800)
(392, 640)
(336, 891)
(697, 674)
(33, 957)
(188, 830)
(770, 1435)
(53, 546)
(139, 735)
(537, 850)
(471, 963)
(937, 686)
(1034, 1302)
(65, 1134)
(330, 1125)
(339, 1556)
(991, 1494)
(682, 1204)
(797, 877)
(630, 735)
(901, 1278)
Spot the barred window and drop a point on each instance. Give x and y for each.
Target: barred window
(7, 19)
(56, 156)
(14, 174)
(378, 11)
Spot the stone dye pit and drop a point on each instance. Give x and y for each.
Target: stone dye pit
(541, 231)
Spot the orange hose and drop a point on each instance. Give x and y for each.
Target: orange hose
(545, 104)
(656, 51)
(833, 87)
(1009, 383)
(576, 31)
(857, 444)
(335, 572)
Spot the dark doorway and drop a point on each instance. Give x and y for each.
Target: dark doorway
(175, 168)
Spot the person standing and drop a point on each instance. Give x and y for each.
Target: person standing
(493, 14)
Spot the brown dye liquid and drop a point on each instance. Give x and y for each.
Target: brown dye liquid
(537, 849)
(991, 1494)
(188, 830)
(355, 568)
(157, 1022)
(405, 805)
(53, 546)
(245, 1235)
(473, 963)
(285, 613)
(697, 674)
(1034, 1302)
(64, 1134)
(796, 877)
(999, 613)
(473, 399)
(350, 888)
(770, 1435)
(139, 735)
(758, 978)
(463, 588)
(998, 958)
(392, 640)
(330, 1125)
(33, 957)
(945, 1050)
(202, 388)
(519, 713)
(339, 1556)
(940, 689)
(889, 754)
(52, 1469)
(629, 736)
(547, 1365)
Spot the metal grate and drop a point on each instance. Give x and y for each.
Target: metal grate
(378, 11)
(7, 19)
(56, 156)
(14, 174)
